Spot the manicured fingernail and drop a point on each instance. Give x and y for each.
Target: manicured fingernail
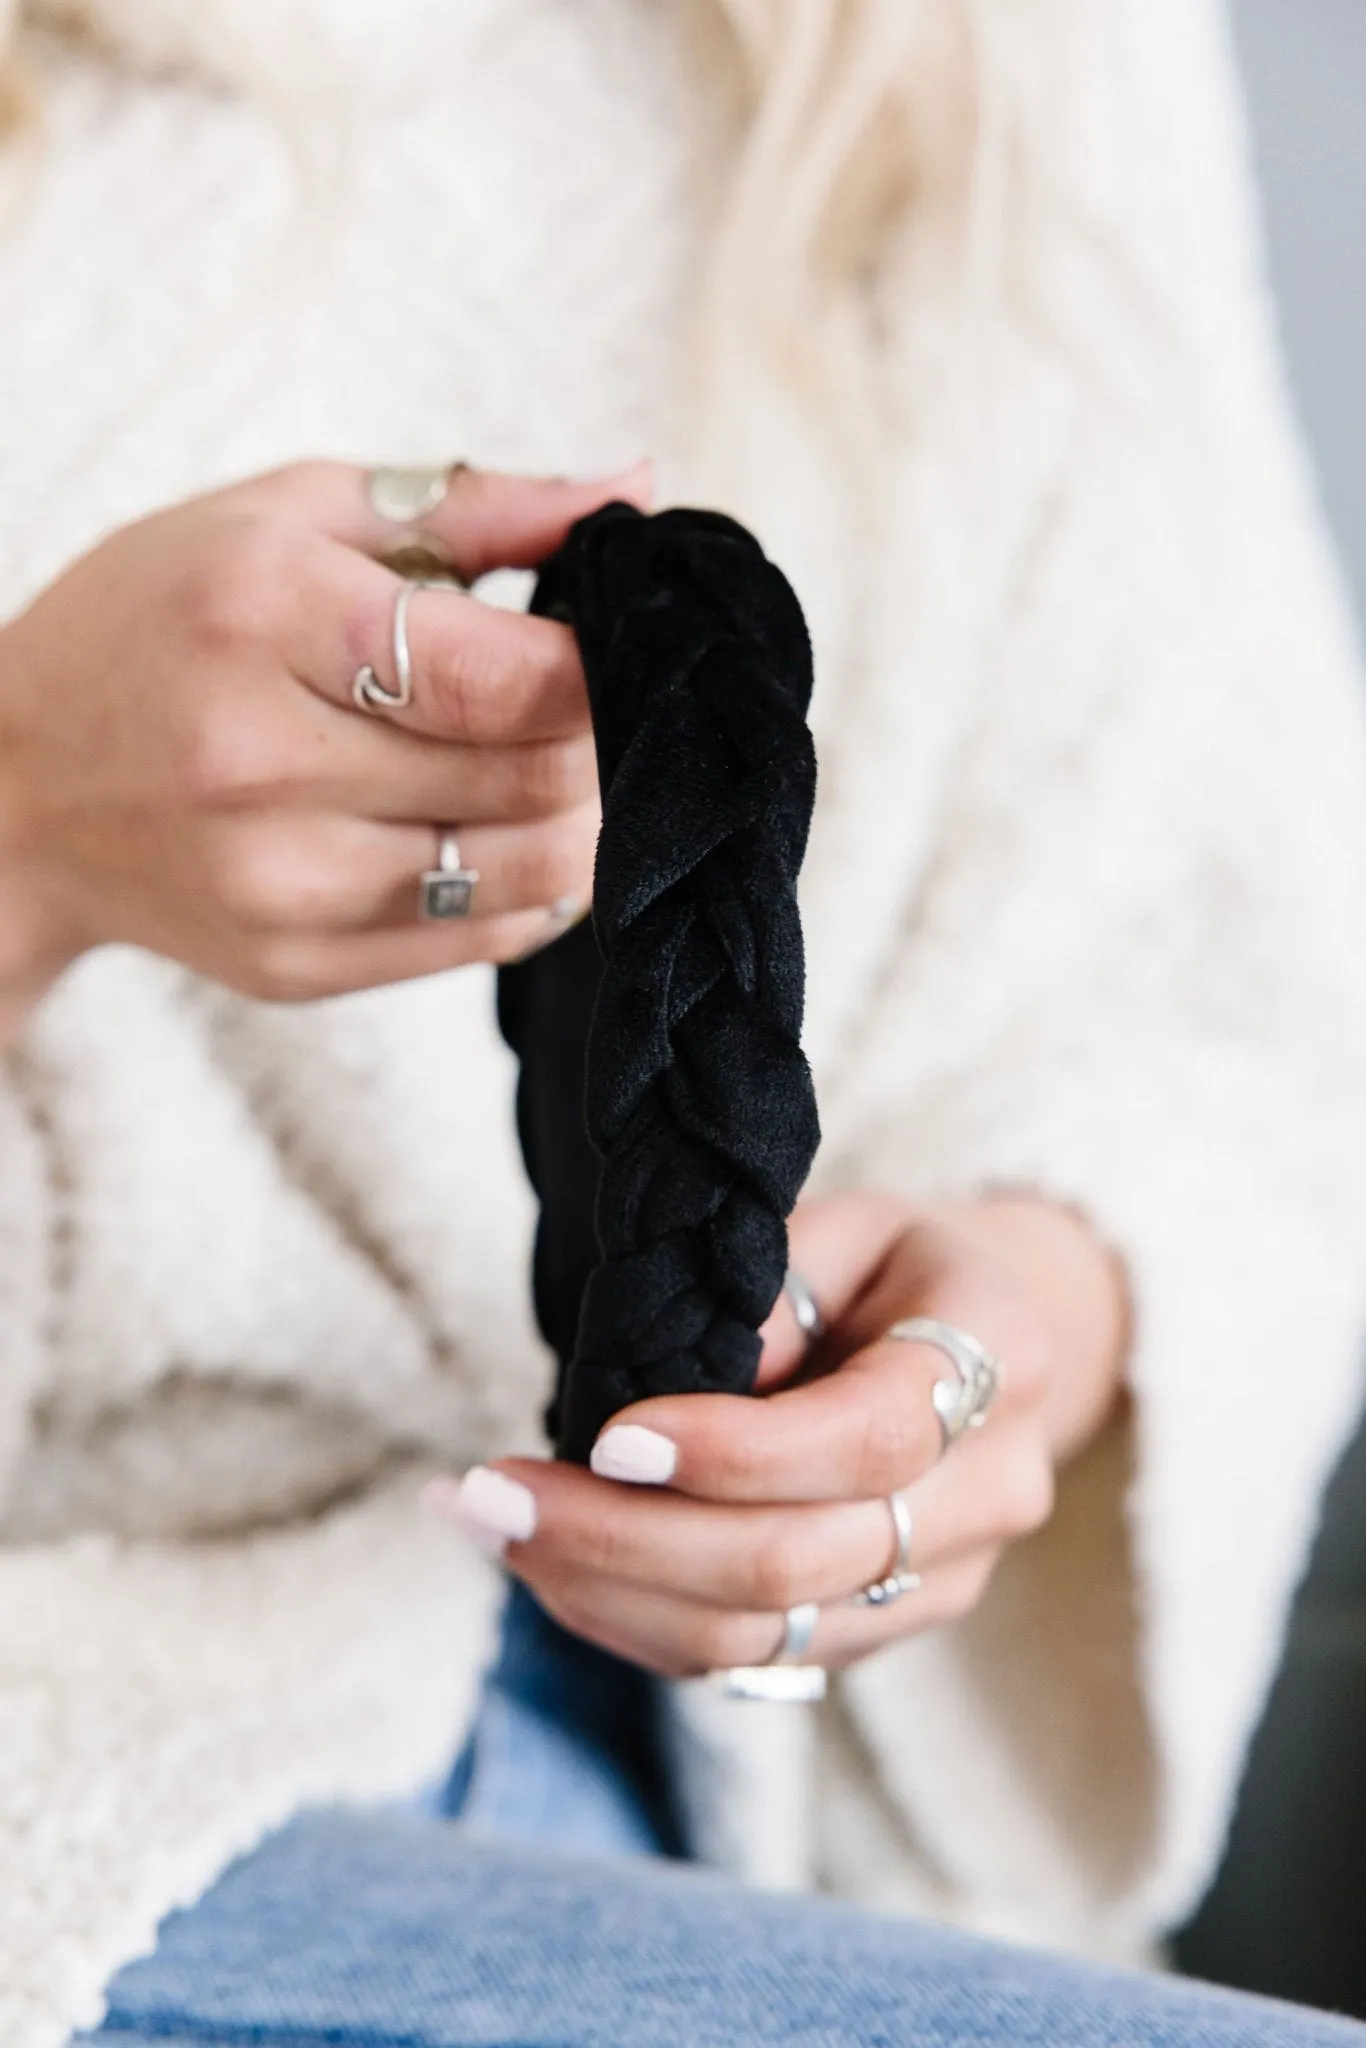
(442, 1496)
(491, 1508)
(640, 1456)
(501, 1505)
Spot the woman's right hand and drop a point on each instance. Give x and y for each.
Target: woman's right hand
(182, 766)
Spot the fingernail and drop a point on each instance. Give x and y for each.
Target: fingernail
(640, 1456)
(442, 1497)
(491, 1508)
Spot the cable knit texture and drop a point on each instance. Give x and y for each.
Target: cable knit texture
(1083, 910)
(698, 1099)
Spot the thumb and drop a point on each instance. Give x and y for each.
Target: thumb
(838, 1245)
(489, 520)
(481, 519)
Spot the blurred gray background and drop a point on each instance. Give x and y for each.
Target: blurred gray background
(1304, 62)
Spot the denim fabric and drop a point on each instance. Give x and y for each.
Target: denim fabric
(568, 1747)
(410, 1930)
(365, 1930)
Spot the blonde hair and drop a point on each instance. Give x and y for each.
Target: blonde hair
(865, 125)
(17, 105)
(825, 167)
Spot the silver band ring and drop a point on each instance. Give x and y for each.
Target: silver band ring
(804, 1306)
(367, 691)
(899, 1578)
(784, 1678)
(447, 890)
(966, 1402)
(799, 1625)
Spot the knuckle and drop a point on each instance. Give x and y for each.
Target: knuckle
(242, 878)
(554, 860)
(463, 686)
(602, 1547)
(717, 1640)
(778, 1577)
(366, 620)
(471, 500)
(284, 970)
(271, 886)
(232, 595)
(555, 775)
(890, 1448)
(547, 649)
(732, 1457)
(229, 757)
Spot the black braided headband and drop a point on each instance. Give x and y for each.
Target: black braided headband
(663, 1089)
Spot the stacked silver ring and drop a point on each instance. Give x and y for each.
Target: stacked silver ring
(368, 693)
(900, 1579)
(445, 891)
(804, 1306)
(784, 1678)
(966, 1403)
(959, 1405)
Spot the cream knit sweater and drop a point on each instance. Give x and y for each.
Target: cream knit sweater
(1085, 909)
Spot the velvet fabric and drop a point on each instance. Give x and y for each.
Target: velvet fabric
(665, 1107)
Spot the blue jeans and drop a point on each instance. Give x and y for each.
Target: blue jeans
(413, 1930)
(569, 1748)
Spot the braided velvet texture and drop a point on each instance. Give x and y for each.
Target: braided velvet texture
(698, 1099)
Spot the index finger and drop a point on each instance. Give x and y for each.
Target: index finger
(476, 519)
(860, 1433)
(475, 673)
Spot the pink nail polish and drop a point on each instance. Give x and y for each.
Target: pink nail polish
(489, 1508)
(501, 1505)
(639, 1456)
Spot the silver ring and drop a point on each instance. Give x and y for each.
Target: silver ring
(804, 1306)
(447, 890)
(784, 1677)
(367, 691)
(966, 1402)
(793, 1685)
(799, 1625)
(899, 1578)
(404, 496)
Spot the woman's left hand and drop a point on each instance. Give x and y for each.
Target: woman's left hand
(707, 1515)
